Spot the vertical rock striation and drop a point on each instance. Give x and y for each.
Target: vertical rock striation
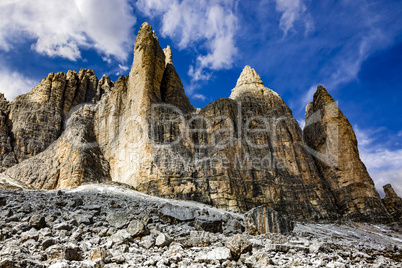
(36, 119)
(74, 159)
(333, 143)
(263, 219)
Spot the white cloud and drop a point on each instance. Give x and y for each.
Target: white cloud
(383, 164)
(209, 24)
(199, 97)
(13, 84)
(123, 68)
(62, 28)
(292, 10)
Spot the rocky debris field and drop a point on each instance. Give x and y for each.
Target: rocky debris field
(110, 225)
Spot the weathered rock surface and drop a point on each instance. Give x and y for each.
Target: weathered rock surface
(333, 143)
(237, 153)
(30, 123)
(205, 156)
(263, 219)
(393, 203)
(72, 160)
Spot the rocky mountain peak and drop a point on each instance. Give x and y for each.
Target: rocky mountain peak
(142, 130)
(250, 84)
(249, 76)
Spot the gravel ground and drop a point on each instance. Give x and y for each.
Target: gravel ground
(110, 225)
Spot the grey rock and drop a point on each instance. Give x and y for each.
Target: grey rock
(175, 214)
(121, 236)
(6, 213)
(48, 243)
(217, 254)
(238, 245)
(72, 253)
(62, 226)
(26, 209)
(287, 248)
(31, 234)
(37, 221)
(77, 235)
(83, 219)
(147, 242)
(208, 224)
(55, 252)
(162, 240)
(234, 227)
(118, 220)
(137, 228)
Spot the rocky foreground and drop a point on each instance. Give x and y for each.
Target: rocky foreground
(109, 225)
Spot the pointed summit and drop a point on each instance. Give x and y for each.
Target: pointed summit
(249, 76)
(250, 84)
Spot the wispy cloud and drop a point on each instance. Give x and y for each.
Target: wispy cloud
(63, 28)
(199, 97)
(337, 56)
(13, 84)
(382, 162)
(292, 10)
(209, 25)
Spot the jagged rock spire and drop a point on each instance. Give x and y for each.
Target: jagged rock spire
(249, 77)
(171, 87)
(332, 141)
(147, 71)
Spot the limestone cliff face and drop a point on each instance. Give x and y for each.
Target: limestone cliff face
(333, 143)
(74, 159)
(7, 155)
(237, 153)
(30, 123)
(204, 155)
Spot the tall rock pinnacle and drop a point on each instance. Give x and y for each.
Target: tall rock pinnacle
(147, 71)
(333, 143)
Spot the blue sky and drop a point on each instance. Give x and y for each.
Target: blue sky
(352, 47)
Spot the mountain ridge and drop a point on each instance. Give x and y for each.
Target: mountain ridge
(236, 153)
